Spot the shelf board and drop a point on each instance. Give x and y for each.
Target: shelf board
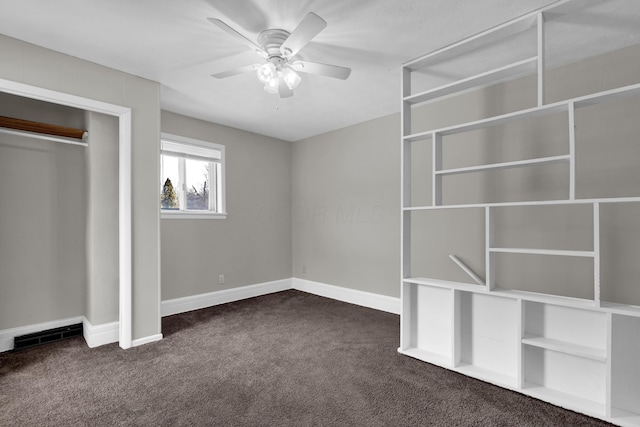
(555, 252)
(540, 111)
(427, 356)
(598, 354)
(565, 400)
(528, 203)
(494, 377)
(493, 121)
(625, 309)
(498, 75)
(472, 43)
(546, 298)
(509, 293)
(505, 165)
(445, 284)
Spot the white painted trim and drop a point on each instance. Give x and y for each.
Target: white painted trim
(97, 335)
(124, 178)
(196, 302)
(7, 335)
(107, 333)
(125, 244)
(352, 296)
(146, 340)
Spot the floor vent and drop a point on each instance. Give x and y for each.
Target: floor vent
(50, 335)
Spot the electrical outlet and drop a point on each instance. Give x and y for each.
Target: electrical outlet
(221, 279)
(304, 269)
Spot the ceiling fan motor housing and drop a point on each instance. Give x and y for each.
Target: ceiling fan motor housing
(271, 40)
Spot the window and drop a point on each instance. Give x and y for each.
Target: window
(191, 178)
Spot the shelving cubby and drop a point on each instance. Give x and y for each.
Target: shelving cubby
(542, 294)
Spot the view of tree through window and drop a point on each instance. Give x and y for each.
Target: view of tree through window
(197, 184)
(191, 177)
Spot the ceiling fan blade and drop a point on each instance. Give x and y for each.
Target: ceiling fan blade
(218, 23)
(310, 26)
(334, 71)
(283, 89)
(236, 71)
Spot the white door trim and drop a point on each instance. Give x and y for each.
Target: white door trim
(124, 179)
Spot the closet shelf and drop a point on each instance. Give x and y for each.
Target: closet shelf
(44, 128)
(71, 141)
(67, 135)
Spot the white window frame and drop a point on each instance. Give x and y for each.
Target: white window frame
(196, 145)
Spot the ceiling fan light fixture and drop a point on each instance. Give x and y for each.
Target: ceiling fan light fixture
(267, 73)
(272, 85)
(291, 78)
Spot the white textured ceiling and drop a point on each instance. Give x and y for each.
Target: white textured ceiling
(171, 42)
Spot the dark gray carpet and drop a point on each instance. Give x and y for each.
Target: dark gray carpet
(288, 358)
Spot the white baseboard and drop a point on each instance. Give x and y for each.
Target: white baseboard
(107, 333)
(352, 296)
(146, 340)
(97, 335)
(196, 302)
(7, 335)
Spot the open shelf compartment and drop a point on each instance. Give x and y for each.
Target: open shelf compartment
(428, 323)
(488, 346)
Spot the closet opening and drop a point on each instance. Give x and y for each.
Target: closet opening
(59, 194)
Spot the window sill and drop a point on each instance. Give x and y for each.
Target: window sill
(191, 215)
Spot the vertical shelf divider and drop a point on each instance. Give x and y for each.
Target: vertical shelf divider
(489, 241)
(521, 331)
(541, 59)
(405, 216)
(456, 342)
(572, 150)
(596, 254)
(608, 367)
(436, 179)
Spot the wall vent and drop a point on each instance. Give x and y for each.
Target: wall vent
(50, 335)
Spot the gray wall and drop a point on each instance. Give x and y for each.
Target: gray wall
(42, 211)
(346, 198)
(102, 219)
(359, 167)
(29, 64)
(253, 244)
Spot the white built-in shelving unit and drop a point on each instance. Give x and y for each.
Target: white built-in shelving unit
(579, 353)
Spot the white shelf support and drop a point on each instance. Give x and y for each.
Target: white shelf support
(436, 178)
(596, 253)
(489, 241)
(541, 59)
(572, 150)
(467, 270)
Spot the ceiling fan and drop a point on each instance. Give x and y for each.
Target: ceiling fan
(279, 49)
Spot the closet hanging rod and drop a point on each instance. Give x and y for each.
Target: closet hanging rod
(43, 130)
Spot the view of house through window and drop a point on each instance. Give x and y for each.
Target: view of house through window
(192, 176)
